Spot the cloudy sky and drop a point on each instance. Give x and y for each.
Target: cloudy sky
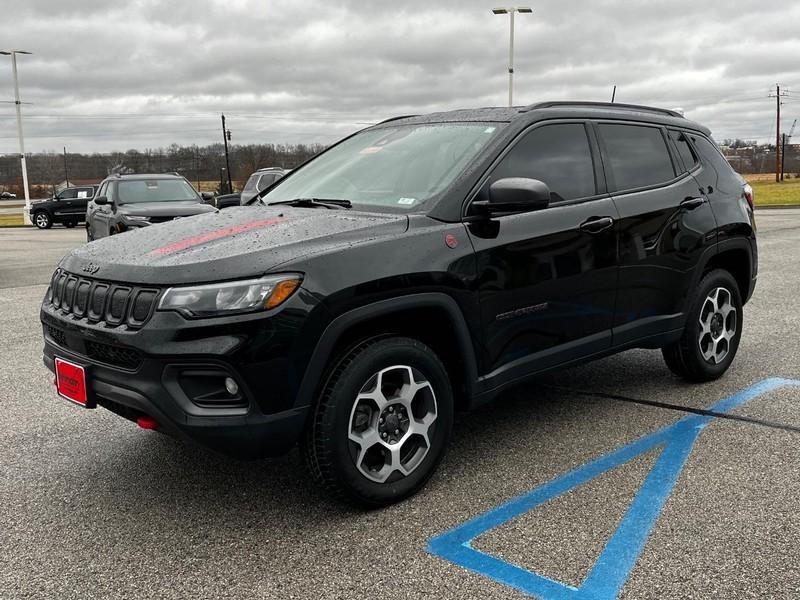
(112, 75)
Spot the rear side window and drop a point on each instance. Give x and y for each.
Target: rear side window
(558, 155)
(638, 155)
(727, 179)
(684, 150)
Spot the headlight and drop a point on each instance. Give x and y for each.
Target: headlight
(137, 218)
(231, 297)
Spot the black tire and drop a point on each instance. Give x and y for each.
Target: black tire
(330, 453)
(42, 220)
(70, 224)
(686, 357)
(89, 236)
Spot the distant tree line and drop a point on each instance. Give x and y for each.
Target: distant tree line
(197, 163)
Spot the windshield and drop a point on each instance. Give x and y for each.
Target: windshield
(391, 167)
(155, 190)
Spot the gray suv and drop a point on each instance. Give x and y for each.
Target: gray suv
(132, 201)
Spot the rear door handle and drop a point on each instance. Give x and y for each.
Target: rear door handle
(691, 203)
(597, 224)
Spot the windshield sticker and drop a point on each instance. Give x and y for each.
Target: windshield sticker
(371, 150)
(406, 200)
(151, 184)
(489, 130)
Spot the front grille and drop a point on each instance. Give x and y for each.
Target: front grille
(56, 335)
(113, 355)
(114, 304)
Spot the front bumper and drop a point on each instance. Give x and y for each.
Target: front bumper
(160, 371)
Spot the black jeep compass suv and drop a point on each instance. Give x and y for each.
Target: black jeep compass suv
(421, 265)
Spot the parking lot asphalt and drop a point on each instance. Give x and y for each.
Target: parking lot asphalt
(91, 506)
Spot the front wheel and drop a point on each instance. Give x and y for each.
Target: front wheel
(382, 424)
(42, 220)
(712, 332)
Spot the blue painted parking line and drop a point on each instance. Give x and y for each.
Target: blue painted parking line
(613, 566)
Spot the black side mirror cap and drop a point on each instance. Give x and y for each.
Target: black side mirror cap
(514, 195)
(207, 195)
(100, 200)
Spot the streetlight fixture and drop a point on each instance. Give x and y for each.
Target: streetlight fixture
(511, 11)
(13, 54)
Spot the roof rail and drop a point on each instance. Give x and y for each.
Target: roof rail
(395, 119)
(610, 105)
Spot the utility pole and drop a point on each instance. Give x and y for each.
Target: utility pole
(778, 96)
(785, 138)
(510, 11)
(26, 215)
(66, 173)
(613, 94)
(226, 135)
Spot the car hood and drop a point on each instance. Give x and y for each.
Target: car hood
(236, 242)
(183, 208)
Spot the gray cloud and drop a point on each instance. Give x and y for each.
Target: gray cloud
(146, 73)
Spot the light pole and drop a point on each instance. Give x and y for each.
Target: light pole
(26, 216)
(510, 11)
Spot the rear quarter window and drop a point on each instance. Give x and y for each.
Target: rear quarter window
(637, 155)
(727, 180)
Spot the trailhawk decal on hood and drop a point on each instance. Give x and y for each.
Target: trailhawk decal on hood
(215, 235)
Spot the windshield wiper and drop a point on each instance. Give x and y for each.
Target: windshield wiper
(314, 202)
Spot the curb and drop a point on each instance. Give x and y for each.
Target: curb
(777, 206)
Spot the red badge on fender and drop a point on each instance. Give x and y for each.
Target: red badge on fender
(451, 240)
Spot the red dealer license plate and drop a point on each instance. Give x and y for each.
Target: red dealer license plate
(71, 383)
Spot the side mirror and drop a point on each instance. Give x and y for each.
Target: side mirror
(207, 196)
(515, 195)
(101, 200)
(227, 202)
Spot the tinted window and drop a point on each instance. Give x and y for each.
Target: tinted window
(558, 155)
(726, 178)
(684, 150)
(265, 182)
(637, 155)
(69, 193)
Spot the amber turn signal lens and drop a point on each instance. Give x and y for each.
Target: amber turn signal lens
(281, 292)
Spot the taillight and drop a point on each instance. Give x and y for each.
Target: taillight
(748, 194)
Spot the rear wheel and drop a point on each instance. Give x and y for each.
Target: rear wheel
(712, 332)
(42, 220)
(382, 423)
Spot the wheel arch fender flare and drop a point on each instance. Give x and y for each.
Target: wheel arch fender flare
(738, 244)
(340, 325)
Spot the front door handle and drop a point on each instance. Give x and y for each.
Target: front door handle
(597, 224)
(691, 203)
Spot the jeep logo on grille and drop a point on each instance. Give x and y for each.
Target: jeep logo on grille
(91, 268)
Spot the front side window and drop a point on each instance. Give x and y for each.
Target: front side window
(559, 155)
(155, 190)
(390, 168)
(637, 155)
(68, 193)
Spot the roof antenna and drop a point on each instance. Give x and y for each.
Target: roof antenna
(613, 94)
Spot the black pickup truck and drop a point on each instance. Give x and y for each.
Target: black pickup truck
(67, 206)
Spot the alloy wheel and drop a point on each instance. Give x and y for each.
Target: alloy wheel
(392, 423)
(718, 322)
